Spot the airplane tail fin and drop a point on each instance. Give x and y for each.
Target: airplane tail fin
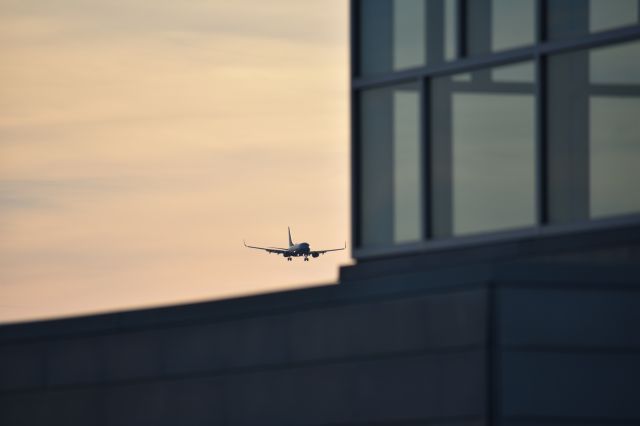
(290, 240)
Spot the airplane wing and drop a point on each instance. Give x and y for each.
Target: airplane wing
(276, 250)
(316, 253)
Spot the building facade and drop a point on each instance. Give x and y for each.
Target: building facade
(496, 148)
(492, 119)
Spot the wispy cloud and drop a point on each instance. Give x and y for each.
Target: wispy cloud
(141, 141)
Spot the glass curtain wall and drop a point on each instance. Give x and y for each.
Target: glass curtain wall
(570, 19)
(393, 34)
(483, 150)
(594, 133)
(485, 116)
(391, 181)
(495, 25)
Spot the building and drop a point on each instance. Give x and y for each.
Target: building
(497, 237)
(491, 119)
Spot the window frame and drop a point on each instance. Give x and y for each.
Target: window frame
(538, 53)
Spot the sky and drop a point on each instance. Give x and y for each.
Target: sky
(141, 142)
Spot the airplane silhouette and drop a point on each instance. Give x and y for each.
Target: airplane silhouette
(295, 250)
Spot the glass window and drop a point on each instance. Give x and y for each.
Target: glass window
(593, 133)
(450, 29)
(495, 25)
(483, 151)
(391, 166)
(393, 34)
(574, 18)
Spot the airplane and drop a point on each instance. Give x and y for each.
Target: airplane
(295, 250)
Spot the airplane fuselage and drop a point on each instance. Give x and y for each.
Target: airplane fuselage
(300, 249)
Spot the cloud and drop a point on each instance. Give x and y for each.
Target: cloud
(308, 22)
(141, 141)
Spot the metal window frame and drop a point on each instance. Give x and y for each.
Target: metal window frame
(354, 123)
(538, 53)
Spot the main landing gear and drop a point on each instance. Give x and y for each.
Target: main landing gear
(306, 259)
(289, 259)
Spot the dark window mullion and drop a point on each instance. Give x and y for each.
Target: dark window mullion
(461, 30)
(354, 123)
(356, 187)
(541, 141)
(540, 119)
(425, 111)
(541, 21)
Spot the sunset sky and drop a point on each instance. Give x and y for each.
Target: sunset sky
(141, 141)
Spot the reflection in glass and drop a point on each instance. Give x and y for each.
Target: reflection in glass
(608, 14)
(496, 25)
(402, 34)
(462, 77)
(408, 34)
(518, 73)
(615, 155)
(573, 18)
(450, 27)
(618, 65)
(407, 183)
(483, 150)
(593, 133)
(391, 166)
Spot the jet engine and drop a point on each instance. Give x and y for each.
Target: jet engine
(315, 254)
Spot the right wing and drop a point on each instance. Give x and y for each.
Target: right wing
(316, 253)
(276, 250)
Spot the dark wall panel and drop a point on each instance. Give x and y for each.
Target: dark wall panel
(565, 422)
(606, 317)
(445, 320)
(70, 407)
(22, 366)
(566, 384)
(74, 361)
(429, 386)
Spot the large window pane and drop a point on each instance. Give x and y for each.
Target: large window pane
(495, 25)
(594, 137)
(391, 166)
(483, 151)
(574, 18)
(393, 34)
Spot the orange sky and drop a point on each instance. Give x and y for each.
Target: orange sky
(140, 142)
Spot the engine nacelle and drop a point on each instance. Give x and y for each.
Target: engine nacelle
(315, 254)
(286, 254)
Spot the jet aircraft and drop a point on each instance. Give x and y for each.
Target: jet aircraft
(295, 250)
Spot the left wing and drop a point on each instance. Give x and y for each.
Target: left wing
(276, 250)
(316, 253)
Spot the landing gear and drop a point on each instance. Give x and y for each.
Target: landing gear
(306, 259)
(289, 259)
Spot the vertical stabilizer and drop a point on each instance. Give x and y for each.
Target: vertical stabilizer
(290, 240)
